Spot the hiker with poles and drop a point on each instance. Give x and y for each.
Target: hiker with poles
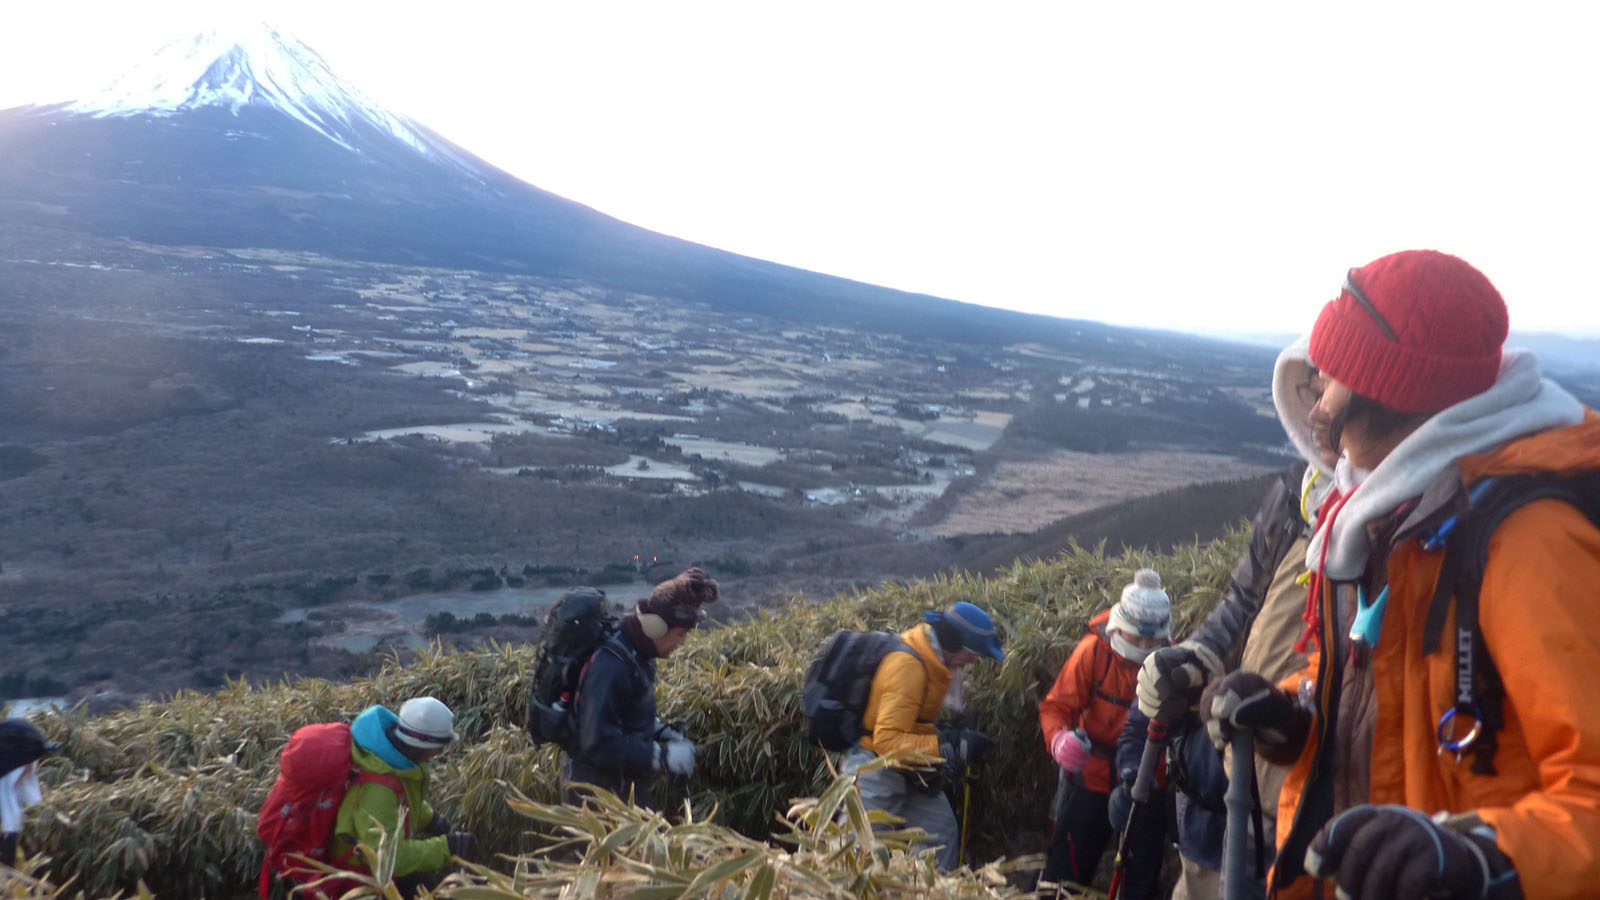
(908, 688)
(1446, 734)
(1195, 783)
(619, 743)
(343, 785)
(1256, 627)
(1082, 718)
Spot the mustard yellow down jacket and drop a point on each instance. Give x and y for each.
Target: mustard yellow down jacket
(905, 699)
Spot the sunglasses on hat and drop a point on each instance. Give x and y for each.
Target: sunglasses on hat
(1352, 290)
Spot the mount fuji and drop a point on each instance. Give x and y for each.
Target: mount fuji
(251, 140)
(265, 68)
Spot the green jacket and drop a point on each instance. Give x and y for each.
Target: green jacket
(367, 805)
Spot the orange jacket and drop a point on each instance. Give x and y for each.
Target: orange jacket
(905, 698)
(1537, 611)
(1094, 690)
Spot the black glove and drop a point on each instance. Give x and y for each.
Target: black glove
(963, 747)
(1379, 852)
(1171, 679)
(974, 746)
(460, 843)
(436, 826)
(1246, 700)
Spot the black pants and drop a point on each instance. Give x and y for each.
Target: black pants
(575, 771)
(412, 885)
(1082, 830)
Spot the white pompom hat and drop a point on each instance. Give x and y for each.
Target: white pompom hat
(1145, 608)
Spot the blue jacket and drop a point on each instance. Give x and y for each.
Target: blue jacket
(1195, 768)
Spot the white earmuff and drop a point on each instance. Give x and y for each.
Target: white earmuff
(654, 627)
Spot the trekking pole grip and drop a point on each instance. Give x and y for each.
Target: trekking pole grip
(1155, 737)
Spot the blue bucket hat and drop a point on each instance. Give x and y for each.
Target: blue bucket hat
(973, 624)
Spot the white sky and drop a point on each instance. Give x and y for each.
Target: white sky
(1195, 166)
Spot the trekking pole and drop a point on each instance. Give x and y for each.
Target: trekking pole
(969, 719)
(966, 805)
(1238, 802)
(1155, 738)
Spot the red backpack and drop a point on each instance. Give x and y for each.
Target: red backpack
(297, 821)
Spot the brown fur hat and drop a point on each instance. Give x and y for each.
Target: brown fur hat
(679, 598)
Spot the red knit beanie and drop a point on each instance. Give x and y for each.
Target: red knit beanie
(1448, 323)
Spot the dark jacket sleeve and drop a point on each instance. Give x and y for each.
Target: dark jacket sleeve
(1130, 744)
(1205, 779)
(1275, 526)
(610, 690)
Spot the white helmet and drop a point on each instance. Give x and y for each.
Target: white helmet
(426, 723)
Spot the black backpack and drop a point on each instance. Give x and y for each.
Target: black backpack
(838, 684)
(574, 629)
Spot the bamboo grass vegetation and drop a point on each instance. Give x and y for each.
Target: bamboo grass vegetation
(162, 798)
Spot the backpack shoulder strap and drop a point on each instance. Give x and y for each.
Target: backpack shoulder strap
(901, 645)
(905, 647)
(1465, 539)
(610, 644)
(358, 777)
(613, 644)
(362, 776)
(1103, 656)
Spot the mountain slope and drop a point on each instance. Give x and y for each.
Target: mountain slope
(254, 142)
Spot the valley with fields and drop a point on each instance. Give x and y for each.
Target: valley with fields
(242, 457)
(290, 384)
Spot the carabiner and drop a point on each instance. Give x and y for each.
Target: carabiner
(1458, 747)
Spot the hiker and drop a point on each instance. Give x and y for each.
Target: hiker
(1081, 719)
(384, 743)
(1195, 784)
(340, 785)
(620, 741)
(1455, 762)
(1260, 608)
(903, 704)
(21, 747)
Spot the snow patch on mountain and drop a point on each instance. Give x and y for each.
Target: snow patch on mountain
(259, 66)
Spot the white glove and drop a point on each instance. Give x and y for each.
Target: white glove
(675, 757)
(1172, 677)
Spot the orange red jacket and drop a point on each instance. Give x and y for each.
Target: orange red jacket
(1094, 690)
(1540, 615)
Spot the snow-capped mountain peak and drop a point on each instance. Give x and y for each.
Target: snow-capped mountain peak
(258, 66)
